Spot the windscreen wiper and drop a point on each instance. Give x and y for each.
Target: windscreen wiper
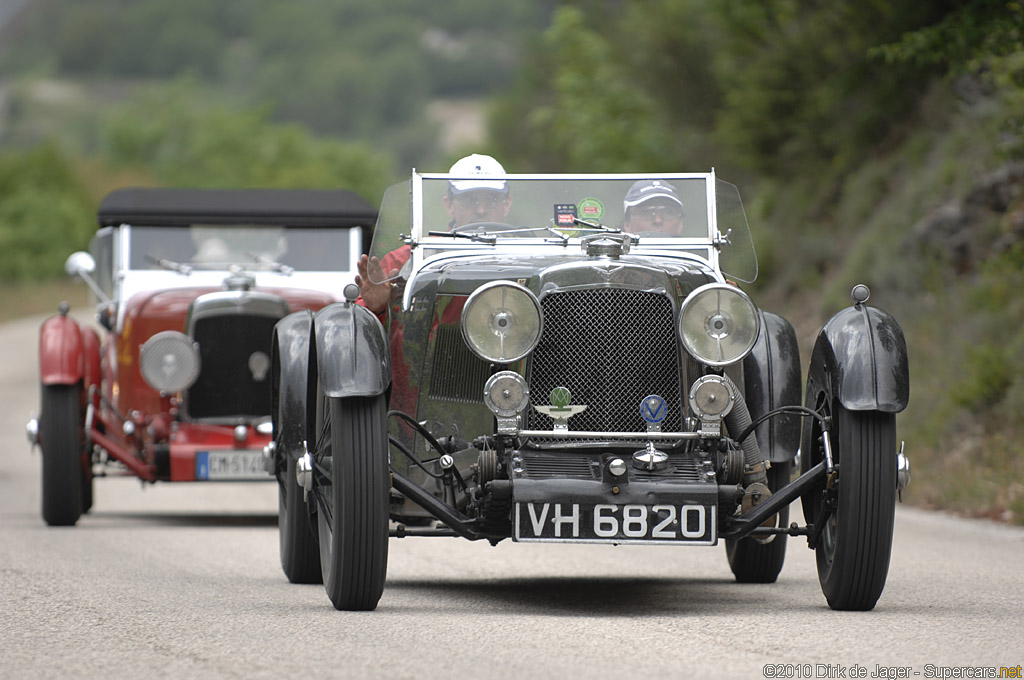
(596, 226)
(173, 266)
(273, 264)
(489, 239)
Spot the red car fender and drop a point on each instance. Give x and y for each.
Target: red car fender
(61, 351)
(91, 358)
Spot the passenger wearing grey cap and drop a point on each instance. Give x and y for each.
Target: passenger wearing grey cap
(653, 208)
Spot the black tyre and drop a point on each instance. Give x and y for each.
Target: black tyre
(62, 440)
(87, 488)
(351, 482)
(87, 476)
(858, 505)
(752, 561)
(300, 549)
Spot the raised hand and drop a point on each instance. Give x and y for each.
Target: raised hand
(374, 285)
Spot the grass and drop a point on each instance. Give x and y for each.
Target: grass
(18, 300)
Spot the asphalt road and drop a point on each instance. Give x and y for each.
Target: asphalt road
(183, 581)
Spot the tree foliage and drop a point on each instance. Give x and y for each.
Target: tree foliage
(162, 137)
(593, 99)
(45, 214)
(966, 37)
(357, 69)
(768, 85)
(182, 143)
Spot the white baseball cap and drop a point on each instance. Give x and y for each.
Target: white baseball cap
(472, 165)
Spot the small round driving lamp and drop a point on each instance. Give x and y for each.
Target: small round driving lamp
(506, 394)
(711, 397)
(169, 362)
(501, 322)
(617, 467)
(718, 324)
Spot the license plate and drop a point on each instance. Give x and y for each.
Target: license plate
(610, 523)
(230, 465)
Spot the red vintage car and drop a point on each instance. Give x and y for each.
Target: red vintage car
(172, 383)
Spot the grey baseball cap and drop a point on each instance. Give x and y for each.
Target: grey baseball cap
(646, 189)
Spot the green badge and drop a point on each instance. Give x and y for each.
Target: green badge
(590, 209)
(560, 397)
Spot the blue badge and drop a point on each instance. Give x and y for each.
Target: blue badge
(653, 408)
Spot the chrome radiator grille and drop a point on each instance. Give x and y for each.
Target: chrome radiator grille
(611, 347)
(234, 378)
(456, 374)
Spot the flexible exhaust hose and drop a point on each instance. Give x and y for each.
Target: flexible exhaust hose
(738, 420)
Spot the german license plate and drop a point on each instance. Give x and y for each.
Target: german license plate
(230, 465)
(611, 523)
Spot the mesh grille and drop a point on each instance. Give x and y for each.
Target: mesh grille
(232, 381)
(611, 347)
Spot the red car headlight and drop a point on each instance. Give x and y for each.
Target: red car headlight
(169, 362)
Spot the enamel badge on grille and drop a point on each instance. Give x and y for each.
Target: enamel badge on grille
(560, 410)
(653, 408)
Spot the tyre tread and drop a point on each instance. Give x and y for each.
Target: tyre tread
(355, 579)
(61, 439)
(856, 576)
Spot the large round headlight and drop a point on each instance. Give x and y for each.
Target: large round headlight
(501, 321)
(718, 324)
(169, 361)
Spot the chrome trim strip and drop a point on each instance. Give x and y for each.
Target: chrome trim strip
(631, 436)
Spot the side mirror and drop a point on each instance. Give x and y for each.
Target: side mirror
(80, 263)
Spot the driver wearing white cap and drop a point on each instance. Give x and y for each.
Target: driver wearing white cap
(468, 200)
(473, 200)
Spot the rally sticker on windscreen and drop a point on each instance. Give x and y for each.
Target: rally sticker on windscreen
(565, 214)
(590, 209)
(611, 523)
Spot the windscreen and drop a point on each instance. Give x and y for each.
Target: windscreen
(736, 258)
(254, 247)
(435, 213)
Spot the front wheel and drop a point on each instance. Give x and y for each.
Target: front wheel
(858, 507)
(62, 440)
(351, 483)
(299, 548)
(752, 561)
(300, 559)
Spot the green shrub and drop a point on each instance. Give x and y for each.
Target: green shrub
(45, 214)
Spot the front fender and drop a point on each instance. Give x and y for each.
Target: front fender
(351, 351)
(61, 351)
(290, 380)
(771, 375)
(860, 358)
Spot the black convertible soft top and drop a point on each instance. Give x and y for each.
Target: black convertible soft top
(285, 207)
